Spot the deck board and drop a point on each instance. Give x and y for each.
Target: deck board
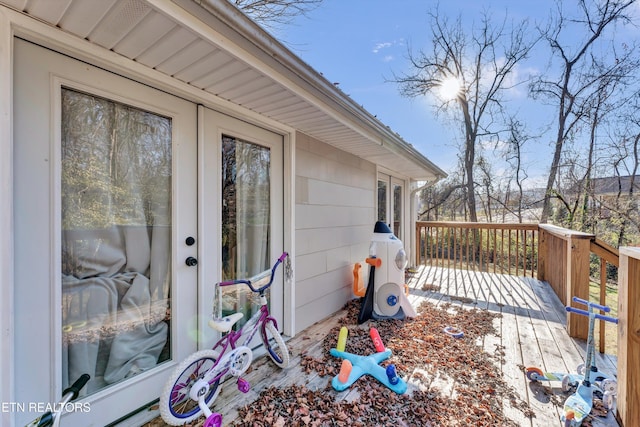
(531, 332)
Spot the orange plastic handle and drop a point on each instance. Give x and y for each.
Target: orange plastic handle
(358, 282)
(376, 262)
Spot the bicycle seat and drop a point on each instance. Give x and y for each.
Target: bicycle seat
(224, 324)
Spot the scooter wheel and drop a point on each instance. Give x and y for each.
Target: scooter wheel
(569, 418)
(567, 385)
(581, 369)
(609, 386)
(609, 401)
(533, 374)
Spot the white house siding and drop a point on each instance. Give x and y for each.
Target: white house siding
(334, 209)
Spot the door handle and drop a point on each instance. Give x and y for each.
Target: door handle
(191, 261)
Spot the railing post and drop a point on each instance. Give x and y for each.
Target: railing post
(629, 337)
(543, 250)
(563, 261)
(578, 251)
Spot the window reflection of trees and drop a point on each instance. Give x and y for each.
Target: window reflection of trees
(245, 203)
(246, 219)
(116, 238)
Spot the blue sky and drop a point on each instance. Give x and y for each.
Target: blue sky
(360, 44)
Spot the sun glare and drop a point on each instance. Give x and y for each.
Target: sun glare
(450, 88)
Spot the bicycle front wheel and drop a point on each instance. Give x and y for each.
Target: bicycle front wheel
(176, 407)
(275, 345)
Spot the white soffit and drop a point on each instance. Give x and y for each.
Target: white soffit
(210, 45)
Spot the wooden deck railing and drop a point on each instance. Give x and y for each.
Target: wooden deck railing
(496, 248)
(629, 337)
(556, 255)
(562, 258)
(608, 256)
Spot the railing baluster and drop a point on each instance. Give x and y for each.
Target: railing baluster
(603, 300)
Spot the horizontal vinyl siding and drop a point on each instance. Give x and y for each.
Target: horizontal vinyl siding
(335, 196)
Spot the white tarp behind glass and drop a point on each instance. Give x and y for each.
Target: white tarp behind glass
(116, 239)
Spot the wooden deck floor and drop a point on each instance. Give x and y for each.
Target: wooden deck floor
(531, 330)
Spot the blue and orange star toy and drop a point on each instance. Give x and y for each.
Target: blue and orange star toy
(355, 366)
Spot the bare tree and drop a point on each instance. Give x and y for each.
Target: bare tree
(582, 68)
(513, 155)
(481, 61)
(625, 154)
(272, 13)
(487, 188)
(442, 201)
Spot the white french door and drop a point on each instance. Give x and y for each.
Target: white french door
(241, 187)
(105, 173)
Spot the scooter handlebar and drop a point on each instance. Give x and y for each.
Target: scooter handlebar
(592, 304)
(597, 316)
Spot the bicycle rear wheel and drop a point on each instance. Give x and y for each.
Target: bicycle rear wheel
(275, 345)
(176, 407)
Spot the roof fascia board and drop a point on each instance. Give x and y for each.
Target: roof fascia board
(249, 42)
(224, 25)
(39, 32)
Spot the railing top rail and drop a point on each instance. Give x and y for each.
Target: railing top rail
(480, 225)
(605, 251)
(565, 233)
(631, 251)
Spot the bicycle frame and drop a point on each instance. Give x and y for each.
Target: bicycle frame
(230, 340)
(232, 337)
(257, 321)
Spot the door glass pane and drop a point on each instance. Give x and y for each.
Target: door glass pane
(246, 221)
(382, 201)
(397, 210)
(116, 239)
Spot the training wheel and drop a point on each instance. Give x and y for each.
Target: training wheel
(213, 420)
(243, 385)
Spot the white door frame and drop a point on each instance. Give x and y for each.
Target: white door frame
(41, 216)
(15, 24)
(212, 125)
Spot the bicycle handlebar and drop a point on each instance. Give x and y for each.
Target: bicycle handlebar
(77, 386)
(248, 282)
(596, 315)
(592, 304)
(52, 418)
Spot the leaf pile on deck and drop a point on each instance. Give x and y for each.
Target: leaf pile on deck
(422, 351)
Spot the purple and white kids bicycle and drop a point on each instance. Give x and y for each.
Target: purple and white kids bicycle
(194, 385)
